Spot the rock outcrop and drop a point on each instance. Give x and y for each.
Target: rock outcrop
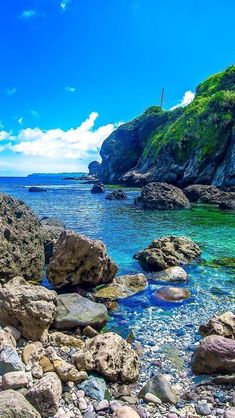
(215, 354)
(110, 355)
(116, 195)
(223, 325)
(203, 193)
(94, 169)
(31, 309)
(14, 405)
(162, 196)
(98, 188)
(79, 260)
(167, 252)
(21, 243)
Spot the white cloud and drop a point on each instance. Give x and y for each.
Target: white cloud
(1, 125)
(28, 14)
(186, 100)
(20, 120)
(4, 135)
(64, 4)
(75, 143)
(11, 91)
(70, 89)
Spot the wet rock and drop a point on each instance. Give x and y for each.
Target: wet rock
(171, 274)
(60, 339)
(116, 195)
(13, 404)
(122, 287)
(94, 387)
(98, 188)
(215, 354)
(38, 306)
(36, 189)
(223, 325)
(160, 387)
(110, 355)
(162, 196)
(10, 361)
(172, 294)
(78, 259)
(125, 412)
(21, 244)
(14, 380)
(167, 252)
(74, 311)
(203, 193)
(45, 394)
(228, 203)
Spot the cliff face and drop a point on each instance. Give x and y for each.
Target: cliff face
(195, 144)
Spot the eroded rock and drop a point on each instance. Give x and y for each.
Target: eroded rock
(116, 195)
(14, 405)
(223, 325)
(162, 196)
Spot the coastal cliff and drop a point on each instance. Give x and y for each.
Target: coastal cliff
(187, 145)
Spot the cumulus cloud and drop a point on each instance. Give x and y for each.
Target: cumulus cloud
(11, 91)
(75, 143)
(70, 89)
(28, 14)
(186, 100)
(4, 135)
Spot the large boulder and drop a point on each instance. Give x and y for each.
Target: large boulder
(223, 325)
(31, 309)
(75, 311)
(98, 188)
(78, 259)
(14, 405)
(203, 193)
(162, 196)
(45, 394)
(21, 243)
(111, 356)
(116, 195)
(122, 287)
(159, 386)
(168, 251)
(172, 294)
(215, 354)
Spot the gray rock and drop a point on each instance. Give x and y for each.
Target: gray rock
(98, 188)
(74, 311)
(116, 195)
(162, 196)
(10, 361)
(14, 405)
(14, 380)
(203, 409)
(160, 387)
(94, 387)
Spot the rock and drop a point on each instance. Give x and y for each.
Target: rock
(149, 397)
(21, 244)
(171, 274)
(203, 409)
(223, 325)
(6, 339)
(14, 380)
(9, 361)
(51, 230)
(98, 188)
(227, 379)
(162, 196)
(35, 189)
(14, 332)
(172, 294)
(78, 259)
(14, 405)
(32, 353)
(230, 413)
(215, 354)
(203, 193)
(89, 331)
(125, 412)
(122, 287)
(38, 306)
(94, 387)
(116, 195)
(160, 387)
(45, 394)
(74, 311)
(168, 252)
(110, 355)
(60, 339)
(229, 203)
(94, 168)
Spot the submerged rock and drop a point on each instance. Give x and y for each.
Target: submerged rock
(171, 274)
(172, 294)
(223, 325)
(98, 188)
(36, 189)
(167, 252)
(31, 309)
(111, 356)
(21, 243)
(160, 387)
(14, 405)
(116, 195)
(122, 287)
(215, 354)
(75, 311)
(162, 196)
(78, 259)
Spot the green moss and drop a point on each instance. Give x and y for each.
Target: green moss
(153, 109)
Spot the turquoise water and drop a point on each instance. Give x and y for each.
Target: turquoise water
(126, 229)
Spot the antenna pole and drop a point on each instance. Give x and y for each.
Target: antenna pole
(162, 97)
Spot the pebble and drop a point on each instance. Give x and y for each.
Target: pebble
(149, 397)
(82, 404)
(203, 409)
(172, 415)
(230, 413)
(102, 405)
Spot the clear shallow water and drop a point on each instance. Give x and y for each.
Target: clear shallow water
(126, 229)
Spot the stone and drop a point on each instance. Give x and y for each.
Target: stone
(149, 397)
(125, 412)
(14, 380)
(74, 311)
(171, 274)
(111, 356)
(224, 379)
(122, 287)
(160, 387)
(162, 196)
(36, 189)
(168, 252)
(38, 306)
(16, 334)
(98, 188)
(116, 195)
(102, 405)
(203, 409)
(223, 325)
(94, 168)
(230, 413)
(228, 204)
(78, 259)
(172, 294)
(14, 405)
(21, 244)
(60, 339)
(10, 361)
(32, 353)
(89, 331)
(94, 387)
(6, 339)
(214, 354)
(45, 394)
(203, 193)
(51, 230)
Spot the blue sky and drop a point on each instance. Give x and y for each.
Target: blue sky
(72, 70)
